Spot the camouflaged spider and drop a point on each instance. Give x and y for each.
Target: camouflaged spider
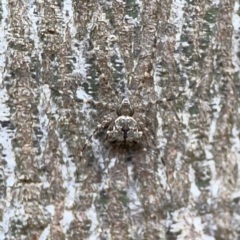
(123, 130)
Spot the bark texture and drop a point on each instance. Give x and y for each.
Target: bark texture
(182, 183)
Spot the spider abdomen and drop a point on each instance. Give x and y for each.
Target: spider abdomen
(124, 131)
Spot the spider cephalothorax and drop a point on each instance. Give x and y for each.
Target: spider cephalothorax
(125, 128)
(125, 108)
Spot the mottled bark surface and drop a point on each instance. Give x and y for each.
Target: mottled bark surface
(182, 183)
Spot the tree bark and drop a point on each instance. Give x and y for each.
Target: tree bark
(181, 182)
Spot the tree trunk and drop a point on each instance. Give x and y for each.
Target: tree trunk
(181, 181)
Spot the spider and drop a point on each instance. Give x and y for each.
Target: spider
(123, 129)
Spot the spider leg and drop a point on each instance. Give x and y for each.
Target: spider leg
(105, 87)
(171, 98)
(103, 125)
(105, 105)
(146, 135)
(89, 138)
(174, 97)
